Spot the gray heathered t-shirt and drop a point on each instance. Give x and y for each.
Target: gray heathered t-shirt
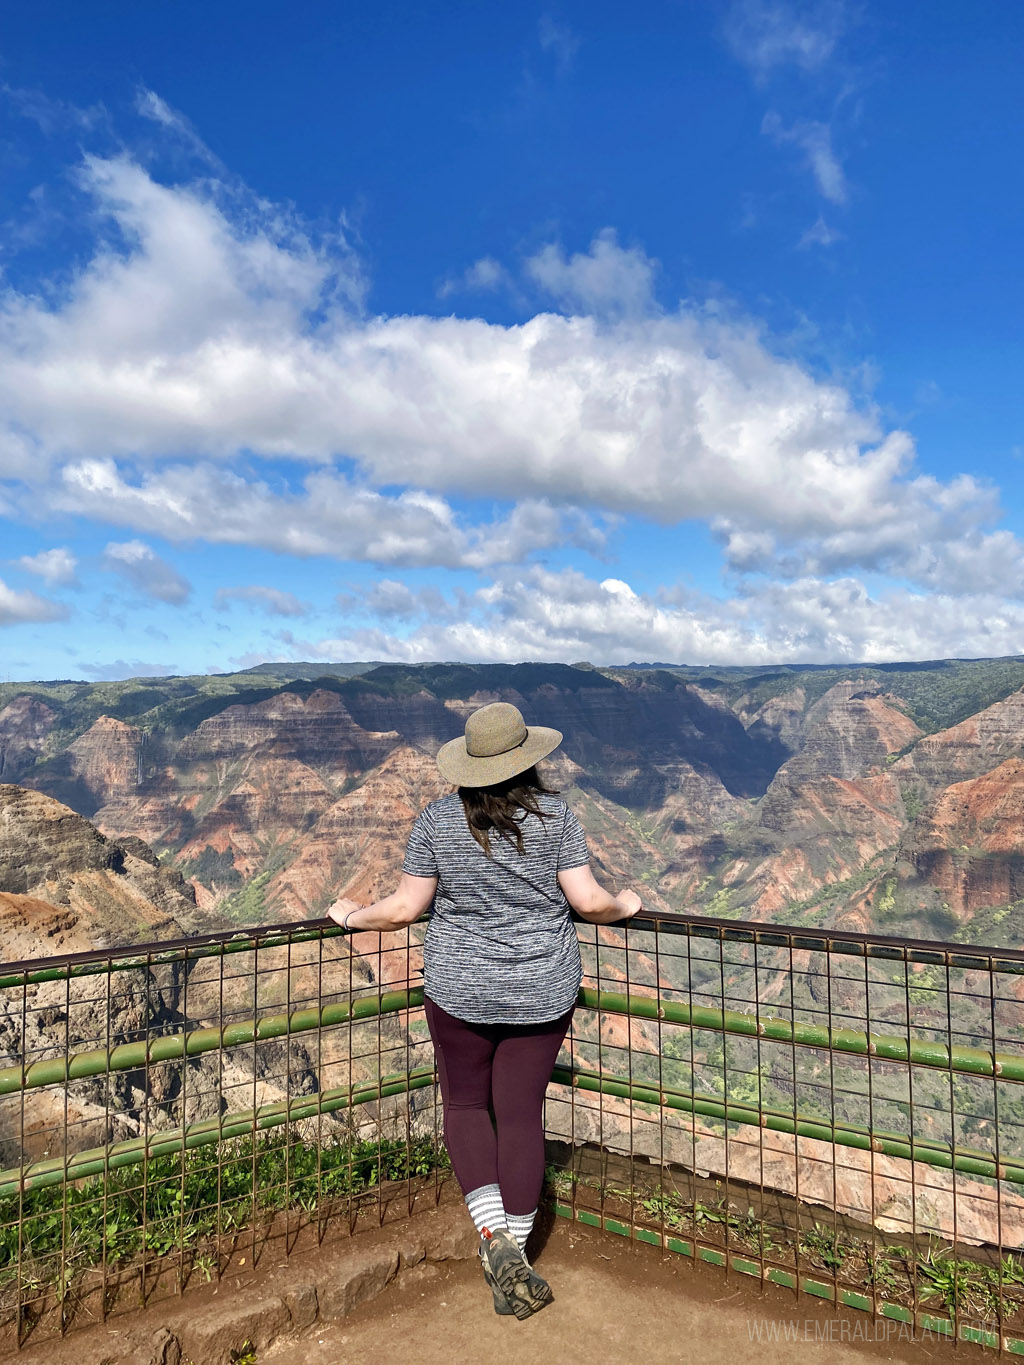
(501, 947)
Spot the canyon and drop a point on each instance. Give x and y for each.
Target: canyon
(819, 797)
(165, 809)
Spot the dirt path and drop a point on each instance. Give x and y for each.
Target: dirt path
(614, 1301)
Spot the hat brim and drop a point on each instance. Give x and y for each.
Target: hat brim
(458, 766)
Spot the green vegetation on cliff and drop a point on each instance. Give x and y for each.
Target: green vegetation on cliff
(938, 693)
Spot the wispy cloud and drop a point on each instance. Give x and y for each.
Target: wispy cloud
(820, 234)
(152, 106)
(482, 277)
(768, 34)
(815, 141)
(119, 669)
(557, 38)
(271, 600)
(774, 38)
(52, 115)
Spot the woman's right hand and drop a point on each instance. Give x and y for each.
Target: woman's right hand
(591, 901)
(630, 902)
(341, 908)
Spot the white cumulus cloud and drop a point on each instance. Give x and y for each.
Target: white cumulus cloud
(391, 599)
(208, 336)
(138, 565)
(209, 330)
(18, 607)
(57, 566)
(332, 515)
(566, 616)
(607, 279)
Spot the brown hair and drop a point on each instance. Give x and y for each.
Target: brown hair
(502, 806)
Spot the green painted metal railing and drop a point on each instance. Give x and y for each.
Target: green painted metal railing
(968, 1161)
(971, 1161)
(166, 1141)
(99, 962)
(173, 1046)
(918, 1051)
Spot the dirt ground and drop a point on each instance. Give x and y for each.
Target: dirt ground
(613, 1301)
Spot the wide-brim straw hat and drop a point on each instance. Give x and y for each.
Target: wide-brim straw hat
(497, 745)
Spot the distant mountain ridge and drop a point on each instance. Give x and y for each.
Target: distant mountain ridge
(289, 672)
(938, 693)
(816, 795)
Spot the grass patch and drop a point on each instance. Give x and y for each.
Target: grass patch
(183, 1201)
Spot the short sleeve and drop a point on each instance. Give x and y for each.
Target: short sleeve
(419, 854)
(573, 850)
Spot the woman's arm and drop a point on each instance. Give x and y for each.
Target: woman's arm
(413, 897)
(591, 901)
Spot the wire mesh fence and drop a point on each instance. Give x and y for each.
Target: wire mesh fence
(837, 1113)
(164, 1104)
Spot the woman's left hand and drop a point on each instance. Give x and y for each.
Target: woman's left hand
(341, 908)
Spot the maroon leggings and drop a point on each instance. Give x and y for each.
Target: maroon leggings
(507, 1067)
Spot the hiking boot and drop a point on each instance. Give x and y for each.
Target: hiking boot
(524, 1290)
(501, 1303)
(539, 1289)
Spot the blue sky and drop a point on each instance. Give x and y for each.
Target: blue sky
(685, 331)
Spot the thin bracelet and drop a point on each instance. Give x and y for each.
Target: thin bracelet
(344, 922)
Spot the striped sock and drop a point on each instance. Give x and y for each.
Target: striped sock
(486, 1209)
(520, 1225)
